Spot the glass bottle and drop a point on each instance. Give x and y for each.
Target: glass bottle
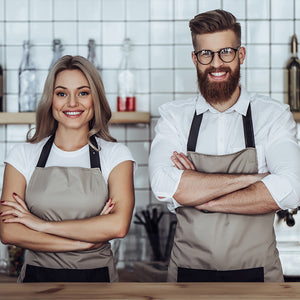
(27, 81)
(57, 51)
(126, 100)
(1, 90)
(293, 68)
(92, 53)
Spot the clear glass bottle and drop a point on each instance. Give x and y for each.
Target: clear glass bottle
(1, 90)
(27, 81)
(92, 54)
(293, 68)
(57, 51)
(126, 100)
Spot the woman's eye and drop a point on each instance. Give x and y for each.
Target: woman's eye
(84, 93)
(60, 94)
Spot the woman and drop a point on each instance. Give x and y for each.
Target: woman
(66, 172)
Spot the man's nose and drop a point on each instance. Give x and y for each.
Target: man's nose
(216, 62)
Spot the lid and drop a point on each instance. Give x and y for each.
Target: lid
(294, 44)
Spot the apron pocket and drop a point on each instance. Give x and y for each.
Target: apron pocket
(198, 275)
(41, 274)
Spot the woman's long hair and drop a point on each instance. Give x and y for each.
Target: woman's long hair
(46, 125)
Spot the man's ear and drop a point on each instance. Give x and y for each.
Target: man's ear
(242, 54)
(194, 58)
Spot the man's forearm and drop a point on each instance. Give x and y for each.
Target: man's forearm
(196, 188)
(255, 199)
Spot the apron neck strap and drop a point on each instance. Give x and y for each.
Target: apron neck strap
(94, 155)
(195, 127)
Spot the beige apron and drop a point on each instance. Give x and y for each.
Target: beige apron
(223, 246)
(68, 193)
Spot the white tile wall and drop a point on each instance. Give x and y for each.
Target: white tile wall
(162, 51)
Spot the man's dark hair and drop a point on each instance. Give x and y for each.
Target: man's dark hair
(214, 21)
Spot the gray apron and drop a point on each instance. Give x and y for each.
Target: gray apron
(222, 246)
(68, 193)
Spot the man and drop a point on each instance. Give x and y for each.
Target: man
(225, 160)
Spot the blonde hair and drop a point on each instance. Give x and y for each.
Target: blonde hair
(46, 125)
(214, 21)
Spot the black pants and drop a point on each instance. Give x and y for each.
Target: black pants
(197, 275)
(41, 274)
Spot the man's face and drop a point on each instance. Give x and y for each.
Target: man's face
(218, 80)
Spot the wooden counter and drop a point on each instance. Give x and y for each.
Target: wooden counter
(132, 291)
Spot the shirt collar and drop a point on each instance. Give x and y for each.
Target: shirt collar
(240, 106)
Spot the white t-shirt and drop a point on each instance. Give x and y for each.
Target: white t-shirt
(25, 156)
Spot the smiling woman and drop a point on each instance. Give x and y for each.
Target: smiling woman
(69, 189)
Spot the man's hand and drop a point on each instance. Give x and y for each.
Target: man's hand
(181, 161)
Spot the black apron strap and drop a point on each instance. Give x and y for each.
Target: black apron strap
(194, 131)
(195, 127)
(45, 152)
(248, 129)
(94, 155)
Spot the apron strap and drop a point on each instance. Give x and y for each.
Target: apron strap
(248, 129)
(195, 127)
(194, 131)
(94, 155)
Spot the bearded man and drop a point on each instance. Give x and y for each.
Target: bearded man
(225, 161)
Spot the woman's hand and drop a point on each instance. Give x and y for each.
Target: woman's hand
(20, 214)
(181, 161)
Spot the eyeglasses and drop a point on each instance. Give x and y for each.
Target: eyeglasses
(227, 55)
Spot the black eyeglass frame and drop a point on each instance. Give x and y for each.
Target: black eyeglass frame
(219, 54)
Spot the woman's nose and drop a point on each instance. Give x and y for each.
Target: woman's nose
(72, 100)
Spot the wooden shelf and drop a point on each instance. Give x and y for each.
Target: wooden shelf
(117, 117)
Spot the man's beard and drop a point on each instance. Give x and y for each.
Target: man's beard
(218, 92)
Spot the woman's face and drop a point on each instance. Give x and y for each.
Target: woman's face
(72, 105)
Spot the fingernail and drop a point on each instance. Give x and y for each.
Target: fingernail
(111, 205)
(3, 220)
(1, 213)
(14, 194)
(1, 201)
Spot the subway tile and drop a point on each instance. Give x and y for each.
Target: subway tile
(138, 32)
(112, 56)
(2, 33)
(113, 32)
(281, 31)
(69, 49)
(109, 78)
(182, 33)
(185, 9)
(13, 56)
(280, 55)
(185, 81)
(257, 56)
(16, 10)
(41, 57)
(258, 32)
(183, 56)
(141, 178)
(261, 13)
(41, 33)
(157, 100)
(12, 81)
(110, 13)
(278, 81)
(142, 102)
(142, 81)
(89, 30)
(161, 81)
(2, 10)
(112, 101)
(140, 151)
(41, 79)
(140, 57)
(2, 133)
(161, 56)
(185, 95)
(258, 80)
(65, 10)
(282, 9)
(297, 9)
(237, 8)
(208, 5)
(2, 154)
(41, 10)
(118, 132)
(243, 32)
(66, 31)
(12, 99)
(137, 10)
(138, 133)
(16, 32)
(89, 10)
(161, 10)
(16, 133)
(161, 33)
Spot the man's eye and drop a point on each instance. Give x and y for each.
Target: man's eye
(226, 51)
(205, 53)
